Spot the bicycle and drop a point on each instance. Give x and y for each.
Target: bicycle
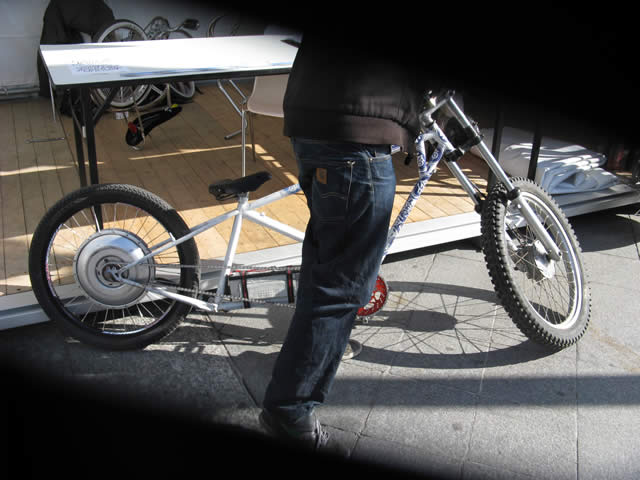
(145, 96)
(116, 267)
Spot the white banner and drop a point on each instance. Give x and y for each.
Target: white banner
(20, 30)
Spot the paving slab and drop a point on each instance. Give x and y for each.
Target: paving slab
(446, 385)
(404, 458)
(534, 440)
(424, 415)
(448, 334)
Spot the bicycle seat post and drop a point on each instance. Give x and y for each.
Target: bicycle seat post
(243, 198)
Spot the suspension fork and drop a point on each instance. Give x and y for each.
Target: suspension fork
(513, 193)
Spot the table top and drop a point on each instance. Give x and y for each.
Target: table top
(136, 62)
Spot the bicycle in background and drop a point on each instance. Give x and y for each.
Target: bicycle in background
(146, 96)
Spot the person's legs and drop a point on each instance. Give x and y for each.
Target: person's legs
(349, 190)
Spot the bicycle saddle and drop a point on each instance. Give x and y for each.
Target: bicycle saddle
(232, 188)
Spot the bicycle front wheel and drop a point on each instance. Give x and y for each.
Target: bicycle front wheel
(79, 244)
(548, 300)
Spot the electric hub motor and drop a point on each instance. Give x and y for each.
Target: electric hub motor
(103, 254)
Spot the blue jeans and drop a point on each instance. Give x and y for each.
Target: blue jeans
(349, 190)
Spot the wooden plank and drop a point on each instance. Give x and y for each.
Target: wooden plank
(188, 159)
(3, 273)
(179, 160)
(159, 177)
(185, 159)
(159, 167)
(64, 154)
(44, 128)
(32, 198)
(228, 165)
(273, 153)
(16, 243)
(200, 163)
(437, 201)
(7, 161)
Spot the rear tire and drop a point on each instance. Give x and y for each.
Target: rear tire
(83, 238)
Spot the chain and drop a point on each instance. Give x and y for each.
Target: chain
(234, 269)
(238, 269)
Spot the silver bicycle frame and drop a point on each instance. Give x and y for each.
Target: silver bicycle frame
(426, 166)
(434, 133)
(244, 209)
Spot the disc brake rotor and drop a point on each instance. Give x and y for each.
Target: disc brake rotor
(100, 256)
(529, 256)
(532, 259)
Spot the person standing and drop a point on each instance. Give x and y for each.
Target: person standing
(346, 109)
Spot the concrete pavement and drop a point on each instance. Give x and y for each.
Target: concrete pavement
(445, 386)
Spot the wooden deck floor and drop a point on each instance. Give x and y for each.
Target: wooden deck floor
(178, 162)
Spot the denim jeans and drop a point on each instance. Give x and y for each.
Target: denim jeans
(349, 189)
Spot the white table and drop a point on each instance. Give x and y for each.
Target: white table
(85, 66)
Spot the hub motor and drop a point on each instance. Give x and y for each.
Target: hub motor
(103, 254)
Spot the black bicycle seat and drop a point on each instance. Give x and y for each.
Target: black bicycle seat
(232, 188)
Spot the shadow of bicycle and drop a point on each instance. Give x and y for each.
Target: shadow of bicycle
(423, 325)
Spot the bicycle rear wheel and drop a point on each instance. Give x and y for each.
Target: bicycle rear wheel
(548, 300)
(79, 244)
(121, 31)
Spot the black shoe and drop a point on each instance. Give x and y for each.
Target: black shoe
(306, 433)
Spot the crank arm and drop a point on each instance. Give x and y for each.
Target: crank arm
(194, 302)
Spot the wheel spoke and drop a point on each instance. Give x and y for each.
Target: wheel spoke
(67, 265)
(547, 299)
(550, 297)
(76, 257)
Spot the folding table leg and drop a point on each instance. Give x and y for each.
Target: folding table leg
(91, 139)
(77, 135)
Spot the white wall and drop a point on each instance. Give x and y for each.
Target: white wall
(21, 27)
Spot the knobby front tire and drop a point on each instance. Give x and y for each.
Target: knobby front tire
(549, 301)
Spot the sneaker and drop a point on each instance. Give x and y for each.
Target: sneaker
(306, 433)
(353, 348)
